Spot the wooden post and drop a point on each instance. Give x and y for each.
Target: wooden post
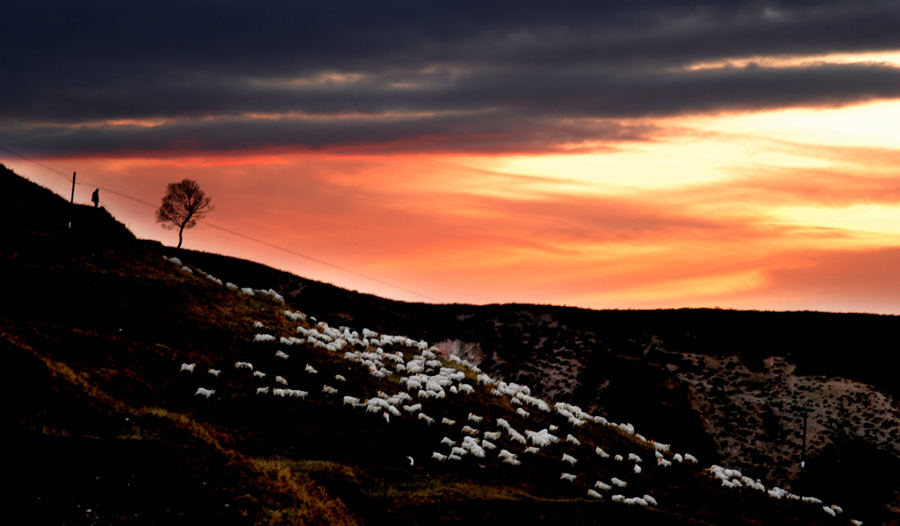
(72, 201)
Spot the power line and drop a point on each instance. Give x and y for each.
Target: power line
(332, 265)
(82, 182)
(232, 232)
(35, 162)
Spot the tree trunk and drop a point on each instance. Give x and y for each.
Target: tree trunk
(181, 229)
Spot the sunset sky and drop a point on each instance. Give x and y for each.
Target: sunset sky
(644, 154)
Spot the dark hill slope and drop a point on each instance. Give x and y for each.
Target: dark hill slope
(95, 328)
(731, 385)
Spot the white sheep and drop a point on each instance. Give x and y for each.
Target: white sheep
(447, 421)
(572, 439)
(189, 367)
(310, 369)
(829, 511)
(539, 439)
(632, 456)
(259, 374)
(262, 390)
(351, 400)
(515, 436)
(568, 476)
(601, 453)
(618, 482)
(690, 458)
(438, 456)
(637, 469)
(570, 459)
(426, 418)
(650, 500)
(340, 378)
(214, 372)
(243, 365)
(447, 441)
(511, 461)
(282, 355)
(205, 392)
(602, 486)
(523, 413)
(281, 380)
(592, 493)
(327, 389)
(475, 418)
(279, 392)
(469, 430)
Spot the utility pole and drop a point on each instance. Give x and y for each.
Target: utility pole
(72, 201)
(803, 452)
(801, 478)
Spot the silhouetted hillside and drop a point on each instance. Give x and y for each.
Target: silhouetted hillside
(100, 331)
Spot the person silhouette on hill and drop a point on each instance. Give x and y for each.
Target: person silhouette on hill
(95, 197)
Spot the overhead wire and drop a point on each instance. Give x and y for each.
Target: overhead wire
(232, 232)
(34, 161)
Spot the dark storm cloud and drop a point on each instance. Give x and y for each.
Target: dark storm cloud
(522, 76)
(451, 134)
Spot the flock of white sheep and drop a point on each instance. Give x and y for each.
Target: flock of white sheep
(420, 376)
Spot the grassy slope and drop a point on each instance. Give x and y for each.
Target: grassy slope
(95, 325)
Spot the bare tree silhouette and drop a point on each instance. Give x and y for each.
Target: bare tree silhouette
(182, 206)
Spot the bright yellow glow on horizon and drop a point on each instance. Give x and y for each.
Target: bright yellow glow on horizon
(882, 222)
(871, 124)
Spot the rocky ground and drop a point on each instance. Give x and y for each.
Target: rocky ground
(752, 409)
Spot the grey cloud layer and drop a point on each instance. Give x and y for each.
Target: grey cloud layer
(533, 75)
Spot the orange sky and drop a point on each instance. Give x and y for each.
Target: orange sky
(630, 155)
(791, 209)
